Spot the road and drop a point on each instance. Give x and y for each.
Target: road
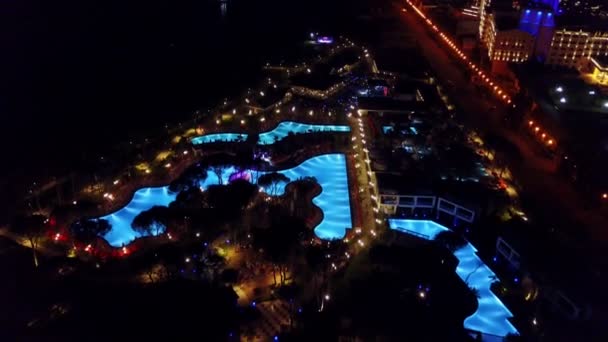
(549, 199)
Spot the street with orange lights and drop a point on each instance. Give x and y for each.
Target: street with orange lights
(561, 205)
(541, 134)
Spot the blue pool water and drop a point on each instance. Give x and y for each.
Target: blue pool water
(143, 199)
(328, 169)
(492, 316)
(387, 129)
(267, 138)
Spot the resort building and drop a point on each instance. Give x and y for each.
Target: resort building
(504, 41)
(568, 47)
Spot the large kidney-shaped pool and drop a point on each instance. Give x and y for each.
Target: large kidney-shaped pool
(328, 169)
(491, 316)
(270, 137)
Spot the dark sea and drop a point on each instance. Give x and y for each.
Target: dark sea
(79, 76)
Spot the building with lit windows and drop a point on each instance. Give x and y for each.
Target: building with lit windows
(569, 48)
(504, 41)
(508, 35)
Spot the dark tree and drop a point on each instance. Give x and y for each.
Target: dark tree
(230, 276)
(153, 221)
(252, 139)
(192, 199)
(32, 227)
(218, 163)
(88, 231)
(232, 198)
(280, 242)
(190, 179)
(273, 182)
(450, 240)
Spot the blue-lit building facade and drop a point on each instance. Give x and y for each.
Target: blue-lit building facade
(516, 33)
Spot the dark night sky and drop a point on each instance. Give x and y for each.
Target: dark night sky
(76, 76)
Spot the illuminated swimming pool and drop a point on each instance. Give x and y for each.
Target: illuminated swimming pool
(492, 316)
(267, 138)
(328, 169)
(387, 129)
(143, 199)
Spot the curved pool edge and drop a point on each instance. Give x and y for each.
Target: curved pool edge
(492, 315)
(278, 130)
(328, 228)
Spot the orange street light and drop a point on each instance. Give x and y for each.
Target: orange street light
(550, 142)
(536, 129)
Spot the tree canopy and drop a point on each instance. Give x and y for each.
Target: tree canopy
(232, 198)
(189, 179)
(87, 231)
(32, 227)
(153, 221)
(273, 182)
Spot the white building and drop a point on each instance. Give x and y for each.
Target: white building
(568, 47)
